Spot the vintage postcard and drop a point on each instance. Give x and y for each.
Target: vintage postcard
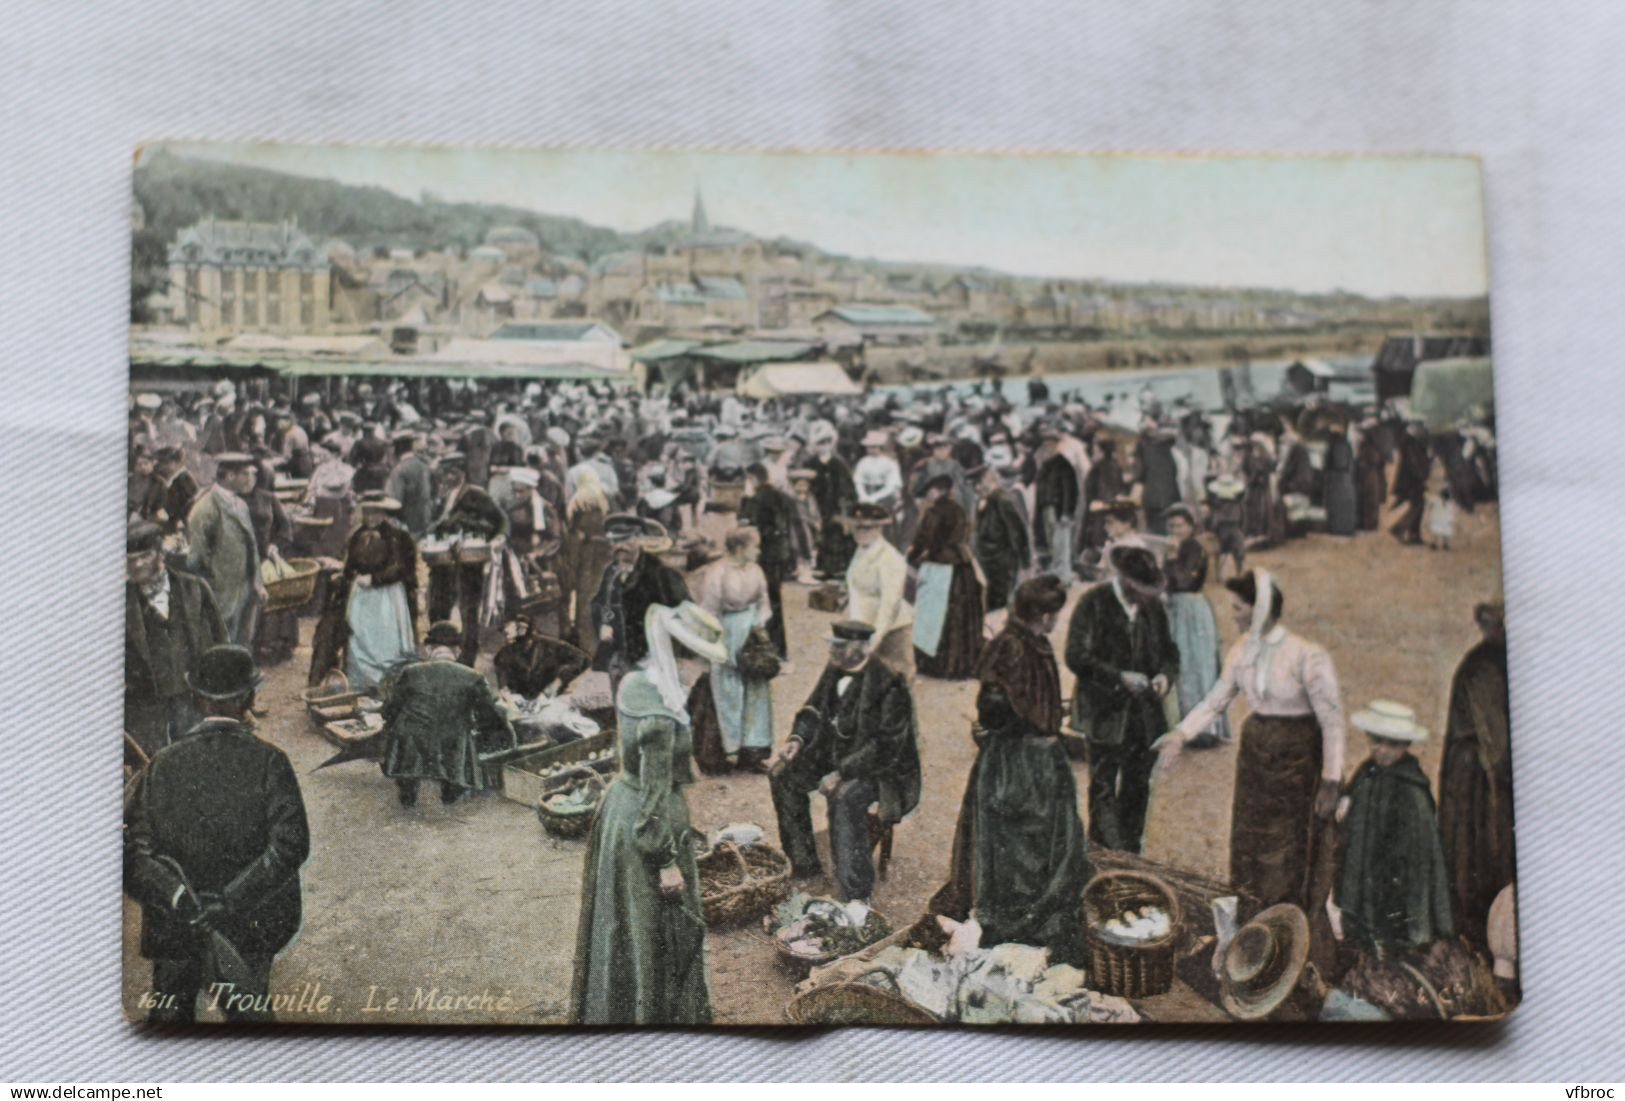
(674, 589)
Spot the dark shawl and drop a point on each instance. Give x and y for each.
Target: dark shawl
(1475, 787)
(1392, 885)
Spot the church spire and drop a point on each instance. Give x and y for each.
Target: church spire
(700, 224)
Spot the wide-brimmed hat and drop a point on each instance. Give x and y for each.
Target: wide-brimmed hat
(379, 501)
(1227, 489)
(1137, 567)
(1115, 506)
(775, 444)
(911, 436)
(1263, 962)
(233, 460)
(443, 633)
(698, 630)
(864, 515)
(525, 476)
(875, 438)
(802, 474)
(148, 401)
(944, 482)
(224, 673)
(1390, 720)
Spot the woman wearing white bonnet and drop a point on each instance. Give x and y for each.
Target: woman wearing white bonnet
(640, 947)
(1289, 767)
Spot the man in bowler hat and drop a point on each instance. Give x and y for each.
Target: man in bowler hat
(214, 837)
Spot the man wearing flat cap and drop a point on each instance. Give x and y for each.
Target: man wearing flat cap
(214, 837)
(634, 581)
(1121, 649)
(170, 619)
(224, 550)
(855, 741)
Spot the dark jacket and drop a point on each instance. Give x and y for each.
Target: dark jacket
(473, 513)
(225, 806)
(411, 484)
(1101, 645)
(438, 717)
(193, 626)
(176, 500)
(621, 604)
(773, 513)
(867, 734)
(389, 556)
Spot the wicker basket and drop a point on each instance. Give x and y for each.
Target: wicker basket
(828, 597)
(799, 966)
(576, 824)
(330, 701)
(738, 884)
(294, 589)
(855, 1003)
(1129, 970)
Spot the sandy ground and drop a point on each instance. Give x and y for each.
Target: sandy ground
(468, 914)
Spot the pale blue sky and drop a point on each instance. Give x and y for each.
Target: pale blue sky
(1375, 225)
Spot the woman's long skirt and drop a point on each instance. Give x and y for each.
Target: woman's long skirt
(1273, 829)
(380, 633)
(744, 705)
(959, 643)
(1196, 634)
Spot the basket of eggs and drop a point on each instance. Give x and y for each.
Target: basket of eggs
(1131, 924)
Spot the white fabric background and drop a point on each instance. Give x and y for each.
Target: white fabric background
(1535, 88)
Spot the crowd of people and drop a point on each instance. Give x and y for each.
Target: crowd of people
(947, 530)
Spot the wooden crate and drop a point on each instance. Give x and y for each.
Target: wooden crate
(522, 779)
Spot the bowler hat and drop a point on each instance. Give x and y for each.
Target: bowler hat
(224, 673)
(142, 537)
(1136, 566)
(443, 633)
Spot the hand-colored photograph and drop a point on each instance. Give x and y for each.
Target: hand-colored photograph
(589, 587)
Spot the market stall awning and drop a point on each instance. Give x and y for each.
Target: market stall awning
(778, 380)
(755, 351)
(517, 357)
(1445, 392)
(657, 350)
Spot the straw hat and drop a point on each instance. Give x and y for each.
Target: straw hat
(876, 438)
(1227, 489)
(1392, 721)
(1263, 962)
(911, 436)
(697, 629)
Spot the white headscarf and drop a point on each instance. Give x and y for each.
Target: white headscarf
(1263, 600)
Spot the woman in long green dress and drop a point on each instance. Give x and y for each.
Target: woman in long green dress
(640, 946)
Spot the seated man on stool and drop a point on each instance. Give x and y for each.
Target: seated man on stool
(855, 742)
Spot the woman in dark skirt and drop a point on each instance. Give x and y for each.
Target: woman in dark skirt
(1371, 477)
(941, 551)
(1289, 768)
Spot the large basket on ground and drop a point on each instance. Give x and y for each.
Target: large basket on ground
(575, 823)
(331, 701)
(294, 588)
(1129, 970)
(854, 1003)
(799, 966)
(739, 884)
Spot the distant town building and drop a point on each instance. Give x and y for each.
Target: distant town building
(876, 324)
(249, 276)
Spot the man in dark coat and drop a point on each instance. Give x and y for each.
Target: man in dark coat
(772, 512)
(1001, 543)
(438, 717)
(531, 664)
(1056, 500)
(170, 620)
(1475, 780)
(1158, 474)
(1121, 649)
(1411, 483)
(411, 483)
(855, 741)
(634, 581)
(835, 492)
(1104, 482)
(214, 836)
(178, 489)
(1393, 889)
(466, 511)
(1020, 860)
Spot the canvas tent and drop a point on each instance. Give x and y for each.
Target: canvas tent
(779, 380)
(1446, 391)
